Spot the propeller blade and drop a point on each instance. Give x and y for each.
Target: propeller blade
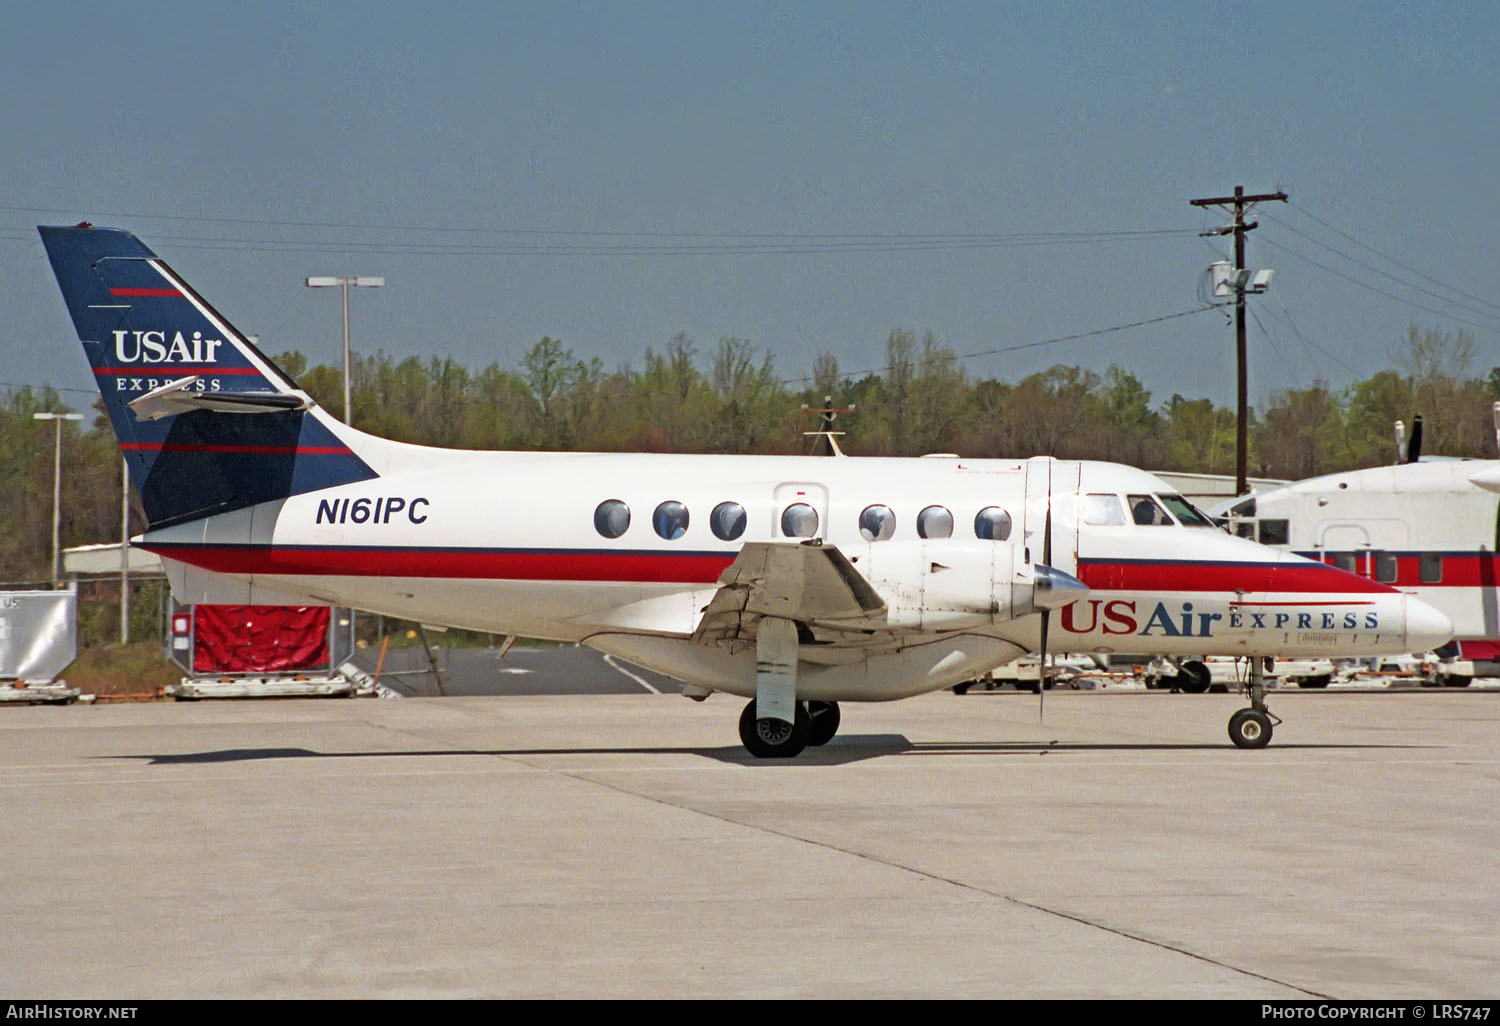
(1414, 447)
(1041, 680)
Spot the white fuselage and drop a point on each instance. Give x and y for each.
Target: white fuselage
(1427, 529)
(508, 543)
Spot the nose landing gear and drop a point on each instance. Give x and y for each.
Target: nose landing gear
(1251, 728)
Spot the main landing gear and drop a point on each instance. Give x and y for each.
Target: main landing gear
(1251, 728)
(816, 723)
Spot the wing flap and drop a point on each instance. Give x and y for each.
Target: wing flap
(807, 583)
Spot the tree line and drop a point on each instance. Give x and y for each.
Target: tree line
(731, 398)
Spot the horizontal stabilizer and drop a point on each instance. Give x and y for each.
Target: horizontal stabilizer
(187, 394)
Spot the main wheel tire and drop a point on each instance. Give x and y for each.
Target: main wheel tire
(1320, 681)
(1250, 728)
(1194, 678)
(773, 739)
(822, 722)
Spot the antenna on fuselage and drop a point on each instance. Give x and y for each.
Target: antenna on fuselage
(825, 439)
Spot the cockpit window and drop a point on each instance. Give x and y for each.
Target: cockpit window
(1275, 532)
(1102, 509)
(1144, 510)
(1185, 512)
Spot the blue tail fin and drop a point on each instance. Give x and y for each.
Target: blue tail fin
(206, 422)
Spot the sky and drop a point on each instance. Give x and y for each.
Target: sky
(808, 176)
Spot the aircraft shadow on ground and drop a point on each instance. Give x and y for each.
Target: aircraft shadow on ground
(841, 751)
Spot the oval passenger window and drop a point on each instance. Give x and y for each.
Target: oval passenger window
(935, 522)
(992, 524)
(727, 521)
(611, 518)
(799, 520)
(670, 520)
(877, 523)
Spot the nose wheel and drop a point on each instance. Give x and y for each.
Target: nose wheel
(1251, 728)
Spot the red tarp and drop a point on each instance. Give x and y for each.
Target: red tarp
(259, 639)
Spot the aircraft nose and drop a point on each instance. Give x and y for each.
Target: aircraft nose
(1426, 628)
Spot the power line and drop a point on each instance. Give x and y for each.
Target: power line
(1286, 317)
(1378, 291)
(1386, 256)
(530, 241)
(1491, 312)
(1029, 345)
(790, 382)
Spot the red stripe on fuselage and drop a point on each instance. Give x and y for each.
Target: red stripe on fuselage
(1456, 569)
(474, 564)
(1313, 578)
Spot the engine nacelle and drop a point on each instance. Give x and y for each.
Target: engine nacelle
(952, 586)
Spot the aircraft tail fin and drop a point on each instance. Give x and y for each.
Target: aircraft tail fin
(206, 422)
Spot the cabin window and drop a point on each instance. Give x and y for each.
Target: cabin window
(1343, 560)
(877, 523)
(992, 524)
(1144, 510)
(611, 518)
(935, 522)
(1385, 568)
(1274, 532)
(1185, 512)
(727, 521)
(1103, 510)
(1431, 567)
(670, 520)
(799, 520)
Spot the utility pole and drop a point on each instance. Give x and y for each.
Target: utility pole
(1238, 279)
(57, 421)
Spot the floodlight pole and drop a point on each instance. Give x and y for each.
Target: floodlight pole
(57, 420)
(362, 281)
(1242, 390)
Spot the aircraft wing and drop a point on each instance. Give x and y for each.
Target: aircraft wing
(792, 581)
